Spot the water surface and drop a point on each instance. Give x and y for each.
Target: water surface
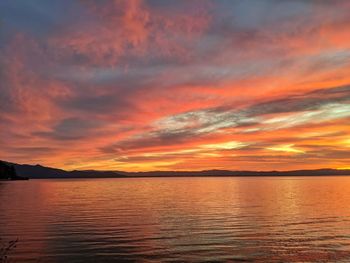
(260, 219)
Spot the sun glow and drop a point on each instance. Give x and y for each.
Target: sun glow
(289, 148)
(225, 145)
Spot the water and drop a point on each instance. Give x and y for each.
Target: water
(266, 219)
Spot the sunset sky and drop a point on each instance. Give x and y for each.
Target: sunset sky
(175, 85)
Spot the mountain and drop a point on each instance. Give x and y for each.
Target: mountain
(318, 172)
(42, 172)
(8, 172)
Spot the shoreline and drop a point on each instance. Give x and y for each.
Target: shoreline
(175, 176)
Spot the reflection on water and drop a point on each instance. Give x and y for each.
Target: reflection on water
(187, 219)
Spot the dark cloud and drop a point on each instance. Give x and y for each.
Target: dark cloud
(158, 138)
(304, 102)
(71, 129)
(326, 152)
(39, 18)
(35, 150)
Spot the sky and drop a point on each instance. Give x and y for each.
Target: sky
(175, 85)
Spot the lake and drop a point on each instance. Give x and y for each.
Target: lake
(260, 219)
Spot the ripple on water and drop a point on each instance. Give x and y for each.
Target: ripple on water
(178, 219)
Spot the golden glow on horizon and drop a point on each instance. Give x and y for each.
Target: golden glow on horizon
(347, 143)
(344, 168)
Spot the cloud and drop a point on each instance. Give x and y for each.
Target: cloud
(131, 28)
(289, 148)
(71, 129)
(175, 84)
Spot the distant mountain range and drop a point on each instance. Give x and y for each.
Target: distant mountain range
(42, 172)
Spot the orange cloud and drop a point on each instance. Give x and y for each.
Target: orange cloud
(142, 85)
